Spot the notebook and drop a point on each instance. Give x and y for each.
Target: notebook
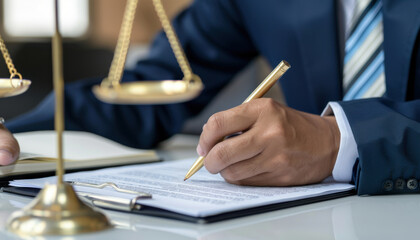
(81, 150)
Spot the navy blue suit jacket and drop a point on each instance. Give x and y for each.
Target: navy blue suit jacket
(221, 37)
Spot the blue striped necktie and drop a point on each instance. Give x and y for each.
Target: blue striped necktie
(364, 74)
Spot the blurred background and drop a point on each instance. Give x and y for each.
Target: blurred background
(90, 29)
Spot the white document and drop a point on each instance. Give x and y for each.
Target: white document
(202, 195)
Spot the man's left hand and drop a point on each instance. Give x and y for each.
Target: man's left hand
(9, 147)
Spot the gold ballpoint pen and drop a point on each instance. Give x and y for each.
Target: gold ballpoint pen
(264, 86)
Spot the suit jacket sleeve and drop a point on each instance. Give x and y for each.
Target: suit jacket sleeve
(387, 134)
(217, 47)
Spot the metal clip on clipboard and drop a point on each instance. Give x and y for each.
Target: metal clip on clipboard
(114, 203)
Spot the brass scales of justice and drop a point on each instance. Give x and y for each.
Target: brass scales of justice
(57, 210)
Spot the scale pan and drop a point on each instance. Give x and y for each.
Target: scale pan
(149, 92)
(12, 87)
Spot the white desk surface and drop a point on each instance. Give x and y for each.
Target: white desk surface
(378, 217)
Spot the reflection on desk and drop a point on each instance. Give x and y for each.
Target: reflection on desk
(379, 217)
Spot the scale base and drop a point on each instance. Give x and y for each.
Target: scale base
(56, 211)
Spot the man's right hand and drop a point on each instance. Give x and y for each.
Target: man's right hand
(9, 147)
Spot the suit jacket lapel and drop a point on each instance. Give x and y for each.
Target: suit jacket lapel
(401, 20)
(320, 51)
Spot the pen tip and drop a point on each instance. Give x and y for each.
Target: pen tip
(185, 179)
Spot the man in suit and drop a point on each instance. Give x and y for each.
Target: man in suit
(332, 46)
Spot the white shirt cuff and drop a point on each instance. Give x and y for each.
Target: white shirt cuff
(347, 153)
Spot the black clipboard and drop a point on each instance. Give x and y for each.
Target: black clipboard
(157, 212)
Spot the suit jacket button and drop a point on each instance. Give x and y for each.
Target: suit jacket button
(399, 184)
(388, 185)
(412, 184)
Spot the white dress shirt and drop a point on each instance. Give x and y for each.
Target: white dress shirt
(347, 153)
